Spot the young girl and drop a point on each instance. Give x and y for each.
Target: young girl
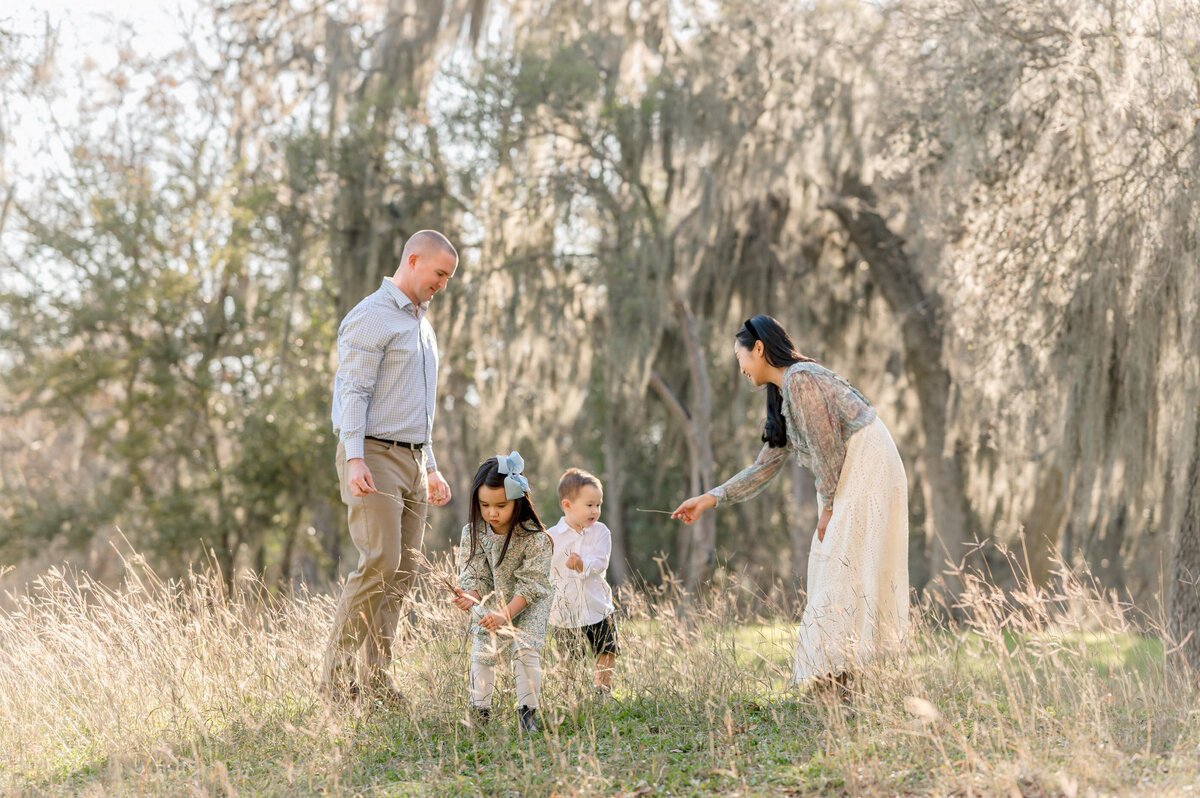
(504, 582)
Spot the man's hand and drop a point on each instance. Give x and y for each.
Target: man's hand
(826, 514)
(359, 478)
(439, 489)
(575, 562)
(493, 621)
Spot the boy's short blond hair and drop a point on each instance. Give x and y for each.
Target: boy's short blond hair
(573, 479)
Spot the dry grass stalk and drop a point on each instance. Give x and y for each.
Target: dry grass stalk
(171, 686)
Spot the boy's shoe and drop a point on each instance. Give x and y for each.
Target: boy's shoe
(527, 720)
(603, 693)
(478, 717)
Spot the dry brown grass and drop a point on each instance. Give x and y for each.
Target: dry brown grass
(172, 687)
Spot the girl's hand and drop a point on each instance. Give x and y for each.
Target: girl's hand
(574, 562)
(464, 601)
(826, 514)
(493, 621)
(694, 507)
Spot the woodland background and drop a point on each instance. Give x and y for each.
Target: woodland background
(984, 215)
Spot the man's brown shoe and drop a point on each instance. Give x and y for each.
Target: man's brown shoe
(343, 693)
(383, 689)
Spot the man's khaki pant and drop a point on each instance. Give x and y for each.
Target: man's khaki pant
(385, 530)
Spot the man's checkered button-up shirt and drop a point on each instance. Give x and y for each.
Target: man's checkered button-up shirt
(386, 383)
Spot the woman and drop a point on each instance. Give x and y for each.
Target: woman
(858, 563)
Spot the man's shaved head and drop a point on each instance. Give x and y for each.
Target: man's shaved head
(428, 261)
(428, 242)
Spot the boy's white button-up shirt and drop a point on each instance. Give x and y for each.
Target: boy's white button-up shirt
(580, 599)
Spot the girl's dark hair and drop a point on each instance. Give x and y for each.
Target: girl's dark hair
(525, 518)
(780, 352)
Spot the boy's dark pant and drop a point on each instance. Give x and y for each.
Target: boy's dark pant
(600, 637)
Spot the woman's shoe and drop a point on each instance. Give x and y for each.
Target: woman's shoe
(527, 720)
(478, 717)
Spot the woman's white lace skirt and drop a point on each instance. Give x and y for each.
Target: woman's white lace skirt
(858, 577)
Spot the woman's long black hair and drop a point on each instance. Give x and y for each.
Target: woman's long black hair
(525, 517)
(780, 352)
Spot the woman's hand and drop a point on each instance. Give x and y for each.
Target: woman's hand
(823, 522)
(465, 601)
(694, 507)
(493, 621)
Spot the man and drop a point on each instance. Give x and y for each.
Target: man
(384, 397)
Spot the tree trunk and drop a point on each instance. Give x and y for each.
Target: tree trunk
(331, 522)
(1185, 575)
(803, 522)
(1044, 525)
(921, 332)
(367, 228)
(614, 495)
(919, 567)
(687, 535)
(704, 547)
(288, 556)
(313, 566)
(1104, 554)
(698, 550)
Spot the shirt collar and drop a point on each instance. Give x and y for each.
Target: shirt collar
(568, 528)
(401, 298)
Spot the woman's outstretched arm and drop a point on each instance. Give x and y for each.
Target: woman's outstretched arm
(746, 484)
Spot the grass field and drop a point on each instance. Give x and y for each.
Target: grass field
(174, 688)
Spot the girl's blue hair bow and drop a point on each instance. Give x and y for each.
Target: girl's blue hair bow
(515, 484)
